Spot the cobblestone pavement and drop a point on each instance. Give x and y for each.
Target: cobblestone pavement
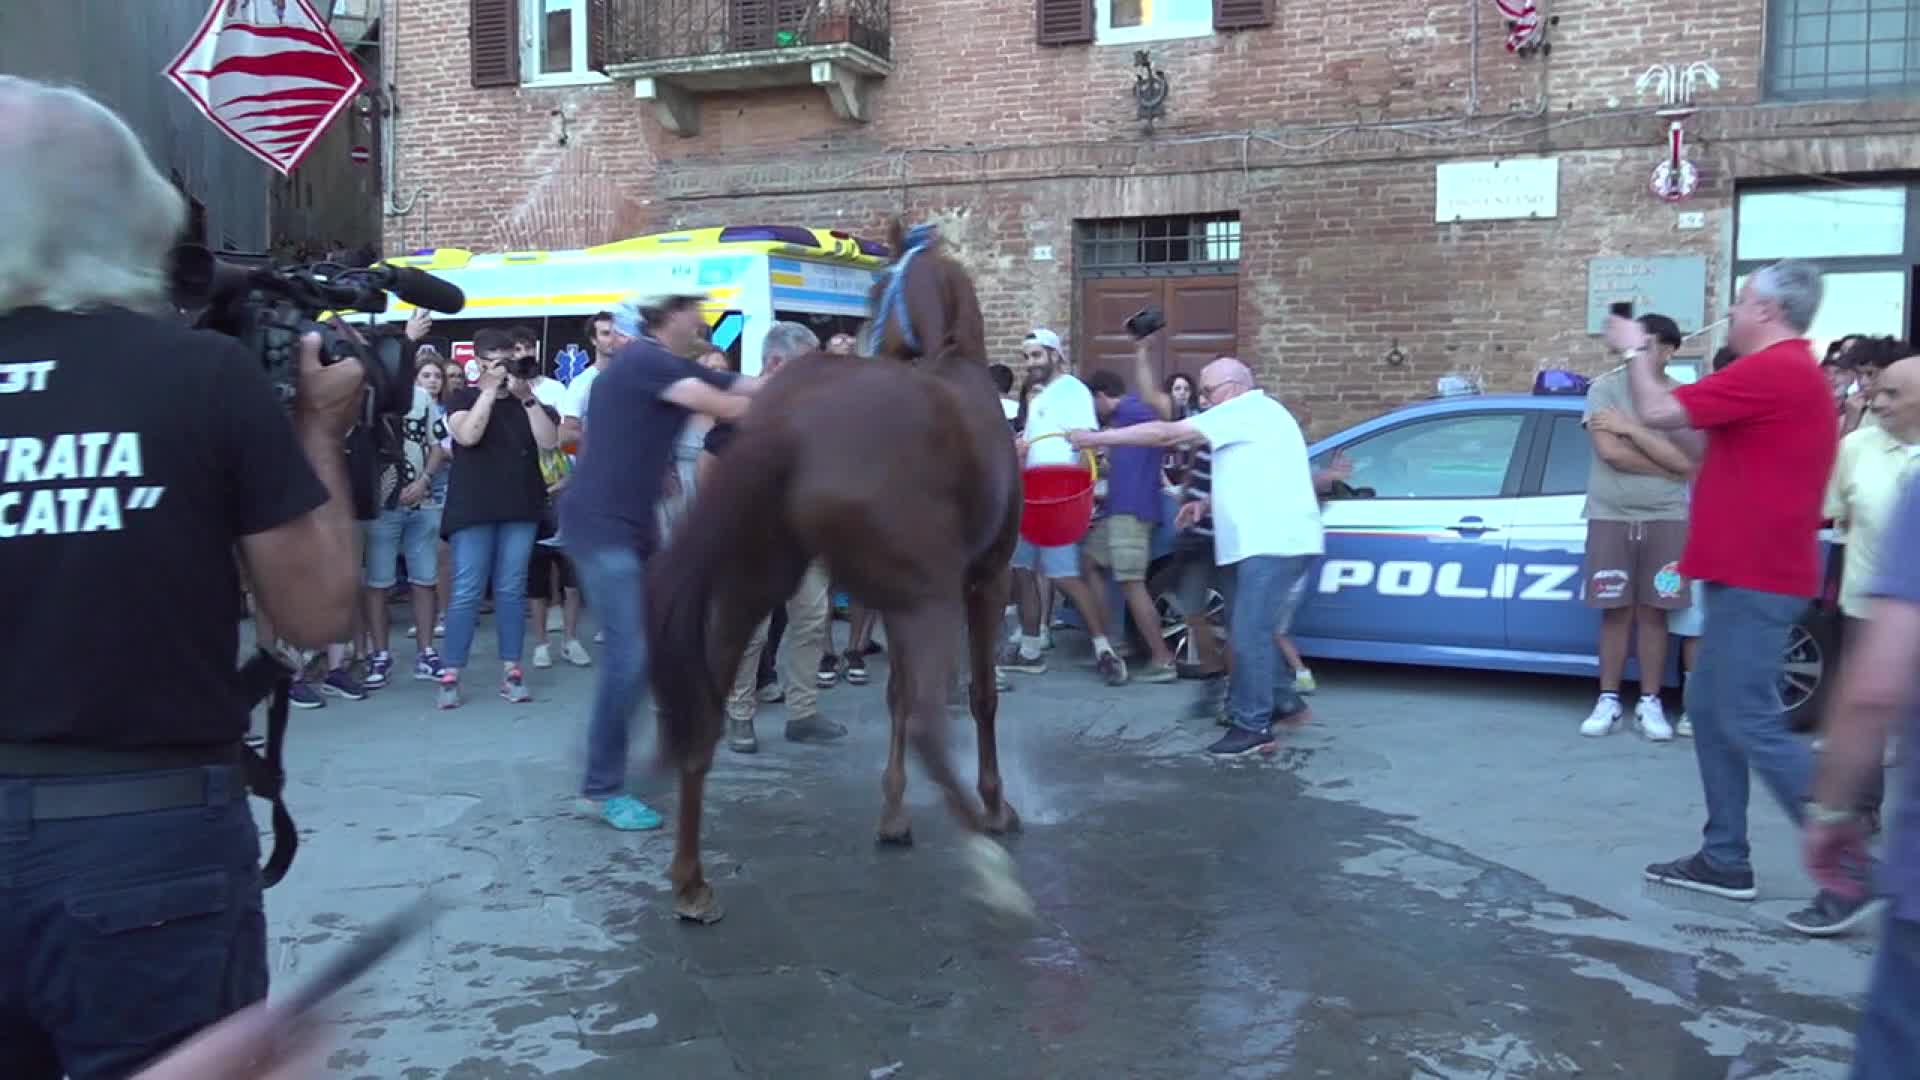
(1439, 878)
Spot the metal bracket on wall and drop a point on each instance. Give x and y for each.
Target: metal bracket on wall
(1150, 89)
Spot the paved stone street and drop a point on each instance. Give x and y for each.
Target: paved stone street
(1438, 879)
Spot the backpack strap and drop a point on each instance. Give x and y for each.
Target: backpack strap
(262, 677)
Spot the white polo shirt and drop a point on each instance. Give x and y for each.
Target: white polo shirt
(1263, 500)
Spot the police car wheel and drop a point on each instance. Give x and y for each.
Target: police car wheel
(1809, 657)
(1162, 585)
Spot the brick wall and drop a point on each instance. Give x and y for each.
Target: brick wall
(1321, 131)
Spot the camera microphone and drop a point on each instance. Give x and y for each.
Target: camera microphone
(421, 289)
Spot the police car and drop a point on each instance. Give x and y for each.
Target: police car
(1457, 541)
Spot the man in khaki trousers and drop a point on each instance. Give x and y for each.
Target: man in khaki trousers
(807, 611)
(805, 643)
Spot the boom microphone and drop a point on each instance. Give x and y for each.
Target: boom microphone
(421, 289)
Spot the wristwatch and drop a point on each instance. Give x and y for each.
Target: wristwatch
(1827, 815)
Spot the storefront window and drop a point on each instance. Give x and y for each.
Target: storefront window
(1831, 222)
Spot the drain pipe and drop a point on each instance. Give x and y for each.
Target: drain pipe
(390, 117)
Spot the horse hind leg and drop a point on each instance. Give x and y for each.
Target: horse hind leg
(986, 607)
(896, 827)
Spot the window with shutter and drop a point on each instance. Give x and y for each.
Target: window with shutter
(493, 36)
(1064, 22)
(1242, 14)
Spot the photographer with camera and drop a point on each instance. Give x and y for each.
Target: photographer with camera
(138, 454)
(495, 501)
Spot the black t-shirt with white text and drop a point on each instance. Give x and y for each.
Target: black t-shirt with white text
(134, 455)
(497, 479)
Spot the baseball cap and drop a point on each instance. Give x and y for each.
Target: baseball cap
(1045, 338)
(627, 319)
(656, 308)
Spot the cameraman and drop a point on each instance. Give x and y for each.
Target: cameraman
(138, 454)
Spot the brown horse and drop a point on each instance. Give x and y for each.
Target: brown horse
(900, 473)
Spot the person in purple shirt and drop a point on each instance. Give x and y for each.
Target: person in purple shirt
(1122, 539)
(1877, 690)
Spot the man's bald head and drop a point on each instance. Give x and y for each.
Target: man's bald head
(87, 220)
(1224, 379)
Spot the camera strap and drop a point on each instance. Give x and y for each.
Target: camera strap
(265, 677)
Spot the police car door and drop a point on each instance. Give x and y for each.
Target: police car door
(1548, 541)
(1417, 540)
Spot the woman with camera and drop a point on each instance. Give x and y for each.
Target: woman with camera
(495, 499)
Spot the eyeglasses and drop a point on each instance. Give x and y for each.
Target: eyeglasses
(1212, 390)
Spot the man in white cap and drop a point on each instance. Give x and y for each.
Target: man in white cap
(640, 403)
(1058, 403)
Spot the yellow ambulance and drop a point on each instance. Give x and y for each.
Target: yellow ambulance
(752, 275)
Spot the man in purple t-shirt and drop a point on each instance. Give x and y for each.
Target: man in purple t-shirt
(1876, 692)
(1121, 541)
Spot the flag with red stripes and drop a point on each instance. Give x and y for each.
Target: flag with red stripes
(269, 73)
(1523, 23)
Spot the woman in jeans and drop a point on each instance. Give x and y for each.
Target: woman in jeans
(495, 497)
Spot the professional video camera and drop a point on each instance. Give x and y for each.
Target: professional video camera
(270, 308)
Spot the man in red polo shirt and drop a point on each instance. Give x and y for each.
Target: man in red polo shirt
(1767, 430)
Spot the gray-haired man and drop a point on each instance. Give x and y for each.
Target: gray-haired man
(1770, 435)
(807, 609)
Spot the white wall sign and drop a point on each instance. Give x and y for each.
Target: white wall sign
(1496, 190)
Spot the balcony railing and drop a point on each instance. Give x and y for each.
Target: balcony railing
(649, 30)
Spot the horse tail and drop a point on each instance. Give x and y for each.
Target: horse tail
(724, 532)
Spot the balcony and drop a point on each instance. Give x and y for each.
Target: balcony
(676, 51)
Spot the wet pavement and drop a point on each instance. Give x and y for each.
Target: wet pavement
(1438, 878)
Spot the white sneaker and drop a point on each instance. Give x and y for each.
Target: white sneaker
(577, 654)
(542, 656)
(1683, 727)
(1604, 718)
(1651, 719)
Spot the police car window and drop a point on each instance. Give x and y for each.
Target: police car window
(1449, 457)
(1569, 458)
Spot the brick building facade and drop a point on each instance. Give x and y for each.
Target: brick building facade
(1283, 205)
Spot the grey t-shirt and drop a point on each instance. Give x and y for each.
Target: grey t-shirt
(1613, 495)
(1900, 580)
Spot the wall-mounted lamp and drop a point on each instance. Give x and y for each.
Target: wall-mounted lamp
(1394, 357)
(1149, 89)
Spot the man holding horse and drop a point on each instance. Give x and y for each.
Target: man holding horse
(1266, 535)
(806, 610)
(641, 402)
(1060, 403)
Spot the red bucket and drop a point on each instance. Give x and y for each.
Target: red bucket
(1059, 504)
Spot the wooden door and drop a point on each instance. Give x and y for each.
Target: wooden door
(1203, 321)
(1105, 305)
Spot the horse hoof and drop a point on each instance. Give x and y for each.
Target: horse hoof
(903, 838)
(701, 908)
(997, 884)
(1006, 821)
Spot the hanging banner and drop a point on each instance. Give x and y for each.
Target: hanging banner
(1524, 25)
(269, 73)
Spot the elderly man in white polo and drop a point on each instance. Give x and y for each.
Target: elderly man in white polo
(1266, 533)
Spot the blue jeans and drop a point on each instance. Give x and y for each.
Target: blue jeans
(120, 936)
(613, 580)
(1733, 701)
(496, 551)
(1266, 591)
(1888, 1042)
